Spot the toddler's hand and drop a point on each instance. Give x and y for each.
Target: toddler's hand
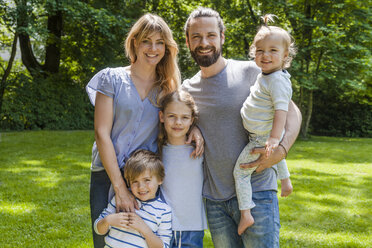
(271, 144)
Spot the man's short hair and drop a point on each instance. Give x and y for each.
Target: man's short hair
(204, 12)
(139, 162)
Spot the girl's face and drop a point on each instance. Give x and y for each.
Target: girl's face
(270, 53)
(177, 119)
(151, 49)
(145, 186)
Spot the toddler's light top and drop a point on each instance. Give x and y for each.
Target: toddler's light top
(270, 92)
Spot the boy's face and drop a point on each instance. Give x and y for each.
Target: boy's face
(145, 186)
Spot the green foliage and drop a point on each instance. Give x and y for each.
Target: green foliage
(353, 119)
(333, 40)
(44, 192)
(52, 103)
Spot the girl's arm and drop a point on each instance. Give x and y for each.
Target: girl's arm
(103, 120)
(272, 142)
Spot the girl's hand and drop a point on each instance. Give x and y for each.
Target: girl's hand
(271, 144)
(195, 135)
(125, 201)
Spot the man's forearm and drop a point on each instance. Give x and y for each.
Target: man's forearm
(292, 126)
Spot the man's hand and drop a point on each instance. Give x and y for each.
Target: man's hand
(264, 162)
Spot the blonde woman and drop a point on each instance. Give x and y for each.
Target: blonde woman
(126, 110)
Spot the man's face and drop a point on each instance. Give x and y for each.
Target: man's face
(205, 40)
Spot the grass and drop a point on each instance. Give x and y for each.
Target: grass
(44, 191)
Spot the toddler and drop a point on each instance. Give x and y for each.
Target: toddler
(264, 112)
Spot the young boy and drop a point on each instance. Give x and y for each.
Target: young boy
(151, 225)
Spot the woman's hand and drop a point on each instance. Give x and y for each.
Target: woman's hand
(195, 135)
(125, 201)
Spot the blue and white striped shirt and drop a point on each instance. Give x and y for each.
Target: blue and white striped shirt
(155, 213)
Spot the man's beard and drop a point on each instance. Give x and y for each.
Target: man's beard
(206, 60)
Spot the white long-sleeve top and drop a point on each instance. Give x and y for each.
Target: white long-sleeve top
(269, 93)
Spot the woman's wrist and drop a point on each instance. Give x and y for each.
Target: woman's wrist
(120, 187)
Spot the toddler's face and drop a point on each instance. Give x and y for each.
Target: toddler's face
(145, 186)
(270, 53)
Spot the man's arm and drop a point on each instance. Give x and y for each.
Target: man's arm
(292, 128)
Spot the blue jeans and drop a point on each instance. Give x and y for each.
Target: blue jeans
(223, 219)
(187, 239)
(99, 188)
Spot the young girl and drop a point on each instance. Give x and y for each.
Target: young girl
(183, 183)
(265, 110)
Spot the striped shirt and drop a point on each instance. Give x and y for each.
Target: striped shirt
(155, 213)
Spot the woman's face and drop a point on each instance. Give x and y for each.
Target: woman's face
(151, 49)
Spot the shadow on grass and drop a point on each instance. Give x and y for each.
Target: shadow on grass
(44, 192)
(333, 150)
(47, 174)
(327, 204)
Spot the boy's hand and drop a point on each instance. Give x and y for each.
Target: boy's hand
(271, 144)
(118, 220)
(137, 223)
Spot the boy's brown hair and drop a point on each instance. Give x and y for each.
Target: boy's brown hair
(139, 162)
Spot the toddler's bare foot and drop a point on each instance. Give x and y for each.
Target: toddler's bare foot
(286, 187)
(246, 220)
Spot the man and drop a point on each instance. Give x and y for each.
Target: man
(219, 89)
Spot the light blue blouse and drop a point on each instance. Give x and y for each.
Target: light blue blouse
(135, 122)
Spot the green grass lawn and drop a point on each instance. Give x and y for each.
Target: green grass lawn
(44, 191)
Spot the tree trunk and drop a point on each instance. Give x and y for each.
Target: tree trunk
(305, 127)
(28, 58)
(53, 44)
(8, 69)
(53, 47)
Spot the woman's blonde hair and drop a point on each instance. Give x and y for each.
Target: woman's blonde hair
(176, 96)
(265, 30)
(167, 72)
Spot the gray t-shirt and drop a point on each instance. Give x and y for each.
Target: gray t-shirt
(219, 100)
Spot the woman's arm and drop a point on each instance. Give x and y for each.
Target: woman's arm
(292, 128)
(103, 120)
